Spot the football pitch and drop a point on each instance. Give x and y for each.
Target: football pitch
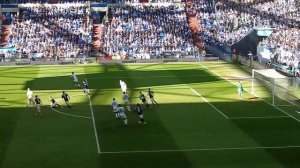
(200, 121)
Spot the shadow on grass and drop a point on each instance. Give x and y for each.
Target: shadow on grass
(113, 73)
(9, 119)
(174, 126)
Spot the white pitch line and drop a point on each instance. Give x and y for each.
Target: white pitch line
(159, 76)
(94, 124)
(266, 117)
(252, 94)
(285, 105)
(197, 93)
(203, 149)
(78, 116)
(298, 112)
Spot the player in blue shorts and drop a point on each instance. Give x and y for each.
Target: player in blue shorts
(38, 104)
(86, 90)
(66, 98)
(143, 98)
(139, 112)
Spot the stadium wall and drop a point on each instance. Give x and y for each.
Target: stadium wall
(246, 44)
(248, 62)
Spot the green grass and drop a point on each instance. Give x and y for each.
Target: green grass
(185, 130)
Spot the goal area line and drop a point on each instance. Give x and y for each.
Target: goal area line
(203, 149)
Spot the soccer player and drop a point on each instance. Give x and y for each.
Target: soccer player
(143, 98)
(151, 95)
(30, 97)
(38, 103)
(125, 98)
(114, 105)
(75, 80)
(121, 113)
(240, 90)
(66, 98)
(54, 103)
(86, 90)
(139, 112)
(123, 86)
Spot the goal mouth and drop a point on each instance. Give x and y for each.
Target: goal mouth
(278, 89)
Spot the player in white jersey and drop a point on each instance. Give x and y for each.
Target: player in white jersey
(30, 97)
(123, 86)
(121, 114)
(75, 80)
(114, 105)
(125, 98)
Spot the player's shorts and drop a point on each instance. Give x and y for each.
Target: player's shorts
(141, 115)
(75, 81)
(86, 90)
(122, 115)
(30, 99)
(152, 99)
(115, 109)
(126, 103)
(144, 100)
(38, 107)
(54, 104)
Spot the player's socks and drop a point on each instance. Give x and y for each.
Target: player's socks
(125, 121)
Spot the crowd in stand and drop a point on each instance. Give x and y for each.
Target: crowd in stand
(38, 1)
(147, 29)
(155, 28)
(52, 31)
(219, 25)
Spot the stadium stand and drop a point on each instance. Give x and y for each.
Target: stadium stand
(140, 28)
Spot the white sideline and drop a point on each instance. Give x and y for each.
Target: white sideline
(197, 93)
(203, 149)
(252, 94)
(78, 116)
(265, 117)
(94, 125)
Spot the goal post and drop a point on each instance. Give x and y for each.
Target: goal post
(275, 88)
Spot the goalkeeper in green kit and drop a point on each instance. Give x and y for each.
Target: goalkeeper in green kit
(240, 90)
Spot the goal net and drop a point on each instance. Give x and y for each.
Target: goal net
(275, 88)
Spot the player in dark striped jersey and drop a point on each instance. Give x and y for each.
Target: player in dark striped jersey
(139, 112)
(86, 90)
(151, 95)
(38, 104)
(143, 98)
(54, 103)
(66, 98)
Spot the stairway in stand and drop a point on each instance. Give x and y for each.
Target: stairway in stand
(6, 29)
(97, 32)
(194, 25)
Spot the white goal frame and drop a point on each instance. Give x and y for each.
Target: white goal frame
(276, 80)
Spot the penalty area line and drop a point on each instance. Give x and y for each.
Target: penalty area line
(78, 116)
(203, 149)
(263, 117)
(251, 93)
(94, 124)
(214, 107)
